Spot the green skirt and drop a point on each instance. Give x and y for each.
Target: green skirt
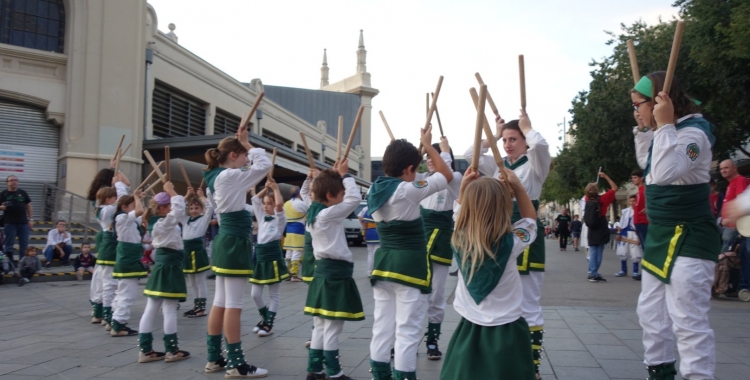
(439, 246)
(232, 256)
(270, 267)
(128, 263)
(333, 294)
(167, 279)
(489, 352)
(106, 250)
(308, 260)
(196, 258)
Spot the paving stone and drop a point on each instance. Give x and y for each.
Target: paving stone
(573, 373)
(611, 352)
(571, 359)
(624, 369)
(563, 344)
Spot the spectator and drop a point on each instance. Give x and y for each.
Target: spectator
(59, 244)
(85, 262)
(717, 200)
(18, 215)
(562, 224)
(594, 216)
(737, 184)
(640, 220)
(28, 266)
(575, 228)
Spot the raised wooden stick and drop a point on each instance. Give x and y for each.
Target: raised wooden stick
(633, 62)
(387, 128)
(489, 98)
(148, 178)
(339, 138)
(427, 104)
(246, 120)
(475, 99)
(153, 165)
(437, 115)
(203, 182)
(167, 171)
(151, 188)
(310, 159)
(478, 127)
(125, 151)
(273, 163)
(490, 137)
(434, 103)
(522, 75)
(673, 56)
(117, 161)
(184, 175)
(353, 133)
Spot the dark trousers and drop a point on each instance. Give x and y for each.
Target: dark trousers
(564, 238)
(27, 272)
(11, 232)
(51, 251)
(642, 230)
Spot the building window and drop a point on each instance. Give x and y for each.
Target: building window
(225, 123)
(330, 161)
(176, 114)
(277, 139)
(301, 149)
(34, 24)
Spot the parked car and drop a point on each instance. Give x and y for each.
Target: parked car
(353, 228)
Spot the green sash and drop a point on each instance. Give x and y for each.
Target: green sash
(488, 274)
(236, 223)
(232, 247)
(268, 251)
(533, 257)
(438, 227)
(196, 258)
(680, 224)
(210, 177)
(269, 264)
(380, 192)
(107, 251)
(308, 259)
(516, 164)
(128, 263)
(402, 256)
(333, 293)
(167, 279)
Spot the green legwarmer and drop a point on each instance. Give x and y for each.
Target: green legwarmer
(98, 310)
(665, 371)
(537, 338)
(144, 342)
(214, 347)
(380, 370)
(315, 360)
(235, 356)
(433, 331)
(269, 318)
(107, 313)
(170, 342)
(400, 375)
(333, 367)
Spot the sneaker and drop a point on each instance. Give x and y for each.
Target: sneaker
(257, 327)
(744, 295)
(316, 376)
(216, 366)
(245, 371)
(265, 330)
(150, 356)
(433, 353)
(104, 322)
(198, 313)
(342, 377)
(594, 278)
(621, 274)
(538, 375)
(296, 279)
(576, 249)
(126, 331)
(176, 356)
(599, 278)
(637, 277)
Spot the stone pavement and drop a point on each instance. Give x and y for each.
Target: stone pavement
(592, 332)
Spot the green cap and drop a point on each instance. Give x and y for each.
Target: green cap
(644, 87)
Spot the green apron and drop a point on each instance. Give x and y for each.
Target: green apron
(269, 264)
(438, 228)
(680, 224)
(333, 294)
(196, 258)
(97, 241)
(167, 279)
(107, 249)
(308, 259)
(533, 257)
(402, 256)
(128, 263)
(232, 248)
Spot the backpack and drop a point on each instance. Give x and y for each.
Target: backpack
(592, 215)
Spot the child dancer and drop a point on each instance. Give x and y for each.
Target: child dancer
(103, 179)
(333, 296)
(269, 269)
(632, 246)
(402, 273)
(228, 179)
(166, 285)
(308, 258)
(492, 341)
(196, 259)
(294, 241)
(128, 268)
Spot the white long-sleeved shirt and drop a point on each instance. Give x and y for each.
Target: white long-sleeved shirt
(503, 304)
(107, 213)
(299, 205)
(404, 203)
(54, 237)
(166, 232)
(329, 238)
(231, 185)
(127, 228)
(268, 231)
(532, 174)
(198, 227)
(304, 191)
(443, 199)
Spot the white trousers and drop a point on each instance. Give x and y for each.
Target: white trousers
(325, 334)
(229, 292)
(198, 284)
(532, 294)
(109, 284)
(293, 254)
(127, 291)
(96, 289)
(399, 313)
(371, 248)
(436, 310)
(274, 295)
(680, 310)
(624, 250)
(168, 309)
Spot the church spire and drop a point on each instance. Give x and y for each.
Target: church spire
(324, 70)
(361, 54)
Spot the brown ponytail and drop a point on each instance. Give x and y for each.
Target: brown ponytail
(219, 155)
(150, 210)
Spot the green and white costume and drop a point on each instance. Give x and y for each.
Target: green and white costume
(196, 258)
(270, 267)
(128, 268)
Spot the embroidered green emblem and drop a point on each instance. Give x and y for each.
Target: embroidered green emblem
(693, 151)
(522, 234)
(420, 184)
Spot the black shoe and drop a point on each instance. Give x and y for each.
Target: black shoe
(48, 265)
(342, 377)
(433, 353)
(315, 376)
(189, 313)
(598, 279)
(593, 279)
(576, 249)
(454, 273)
(637, 277)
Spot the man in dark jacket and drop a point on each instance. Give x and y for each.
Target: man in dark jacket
(598, 229)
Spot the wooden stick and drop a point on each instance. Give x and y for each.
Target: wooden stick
(119, 146)
(489, 98)
(434, 103)
(184, 175)
(339, 138)
(437, 115)
(490, 137)
(353, 133)
(427, 104)
(167, 171)
(478, 127)
(117, 161)
(153, 185)
(633, 62)
(673, 56)
(522, 75)
(153, 165)
(148, 178)
(310, 159)
(125, 151)
(475, 98)
(203, 182)
(387, 128)
(246, 119)
(273, 163)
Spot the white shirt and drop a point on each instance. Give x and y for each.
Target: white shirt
(626, 219)
(362, 213)
(127, 228)
(503, 304)
(166, 232)
(304, 192)
(443, 199)
(328, 237)
(299, 205)
(107, 213)
(532, 174)
(404, 203)
(231, 185)
(54, 237)
(268, 231)
(198, 227)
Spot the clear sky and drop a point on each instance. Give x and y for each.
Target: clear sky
(409, 45)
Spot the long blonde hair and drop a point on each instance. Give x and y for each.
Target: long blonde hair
(482, 222)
